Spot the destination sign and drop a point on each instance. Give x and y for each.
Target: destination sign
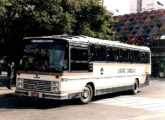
(42, 41)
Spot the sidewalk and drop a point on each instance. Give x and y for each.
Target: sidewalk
(5, 92)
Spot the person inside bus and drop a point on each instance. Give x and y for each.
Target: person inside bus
(10, 72)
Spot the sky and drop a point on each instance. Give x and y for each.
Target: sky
(163, 2)
(123, 6)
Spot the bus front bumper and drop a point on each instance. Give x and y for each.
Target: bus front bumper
(42, 95)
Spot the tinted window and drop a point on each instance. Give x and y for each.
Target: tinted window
(79, 59)
(79, 54)
(135, 56)
(97, 53)
(112, 54)
(124, 55)
(144, 57)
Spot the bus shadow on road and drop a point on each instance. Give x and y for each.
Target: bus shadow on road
(29, 103)
(36, 103)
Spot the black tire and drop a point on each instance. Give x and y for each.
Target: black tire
(86, 95)
(135, 87)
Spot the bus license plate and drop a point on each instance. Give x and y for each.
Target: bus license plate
(34, 94)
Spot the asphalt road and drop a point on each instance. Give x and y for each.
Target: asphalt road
(148, 104)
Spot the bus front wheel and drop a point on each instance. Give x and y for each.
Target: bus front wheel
(87, 94)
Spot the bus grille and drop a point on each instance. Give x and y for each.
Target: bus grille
(37, 85)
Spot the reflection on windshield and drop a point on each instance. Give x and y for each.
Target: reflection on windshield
(45, 57)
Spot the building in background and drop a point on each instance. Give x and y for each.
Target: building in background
(142, 5)
(139, 6)
(146, 5)
(144, 29)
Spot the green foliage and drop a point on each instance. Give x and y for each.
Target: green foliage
(20, 18)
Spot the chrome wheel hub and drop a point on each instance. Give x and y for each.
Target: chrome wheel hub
(86, 94)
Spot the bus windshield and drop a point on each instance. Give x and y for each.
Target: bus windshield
(45, 57)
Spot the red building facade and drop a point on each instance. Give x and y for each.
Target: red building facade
(141, 28)
(144, 29)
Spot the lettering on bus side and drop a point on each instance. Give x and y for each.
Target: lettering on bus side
(131, 70)
(122, 70)
(128, 70)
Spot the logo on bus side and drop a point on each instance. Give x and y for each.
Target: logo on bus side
(102, 71)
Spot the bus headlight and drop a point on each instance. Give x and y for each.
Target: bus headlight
(55, 86)
(20, 83)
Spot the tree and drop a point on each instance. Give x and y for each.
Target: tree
(20, 18)
(88, 18)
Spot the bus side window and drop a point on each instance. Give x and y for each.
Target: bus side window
(147, 58)
(97, 53)
(135, 55)
(144, 57)
(79, 59)
(124, 55)
(92, 53)
(112, 54)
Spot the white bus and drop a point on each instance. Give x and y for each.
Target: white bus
(67, 67)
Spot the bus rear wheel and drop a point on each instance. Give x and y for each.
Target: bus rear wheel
(86, 95)
(135, 87)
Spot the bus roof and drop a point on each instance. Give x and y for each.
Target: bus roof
(81, 39)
